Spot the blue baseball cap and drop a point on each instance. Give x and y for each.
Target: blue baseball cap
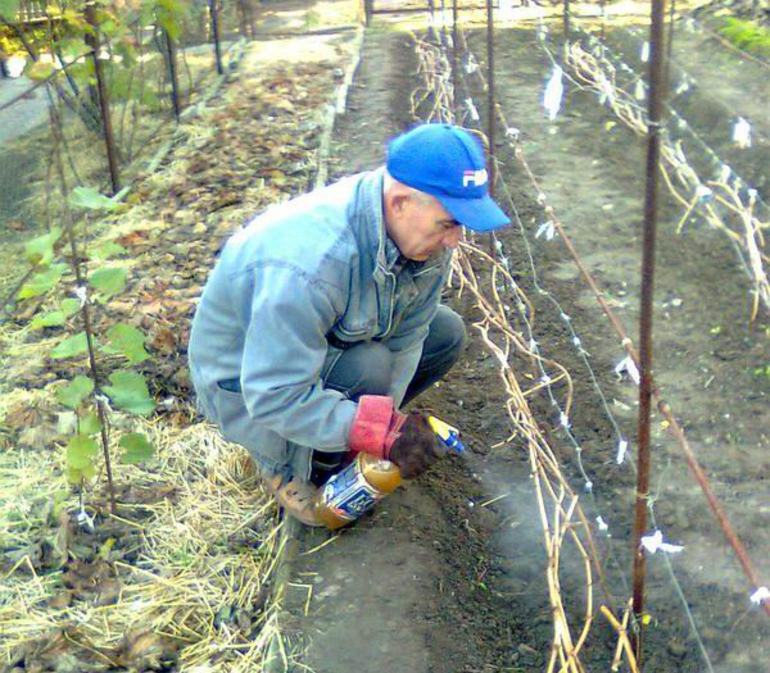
(447, 162)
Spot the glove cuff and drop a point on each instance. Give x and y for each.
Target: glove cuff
(376, 426)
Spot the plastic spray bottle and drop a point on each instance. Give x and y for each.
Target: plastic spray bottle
(367, 480)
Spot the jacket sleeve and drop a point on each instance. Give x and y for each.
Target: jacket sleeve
(284, 354)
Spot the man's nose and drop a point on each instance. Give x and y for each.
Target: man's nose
(453, 237)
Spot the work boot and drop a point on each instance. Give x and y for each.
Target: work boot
(324, 466)
(295, 497)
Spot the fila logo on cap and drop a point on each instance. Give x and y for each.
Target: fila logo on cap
(475, 178)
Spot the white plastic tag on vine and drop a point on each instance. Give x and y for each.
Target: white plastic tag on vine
(704, 193)
(547, 229)
(553, 93)
(602, 524)
(622, 448)
(654, 542)
(86, 521)
(471, 66)
(81, 294)
(742, 133)
(628, 365)
(761, 594)
(724, 173)
(645, 55)
(683, 86)
(472, 109)
(639, 91)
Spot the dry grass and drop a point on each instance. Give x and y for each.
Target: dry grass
(207, 541)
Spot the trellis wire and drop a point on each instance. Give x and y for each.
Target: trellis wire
(663, 406)
(540, 454)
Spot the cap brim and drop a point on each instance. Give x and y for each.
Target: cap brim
(477, 214)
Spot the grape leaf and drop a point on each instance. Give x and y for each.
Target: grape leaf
(40, 249)
(137, 448)
(42, 282)
(129, 392)
(81, 451)
(90, 424)
(75, 392)
(88, 197)
(129, 341)
(73, 345)
(108, 281)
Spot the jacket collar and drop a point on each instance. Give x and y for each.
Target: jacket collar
(385, 250)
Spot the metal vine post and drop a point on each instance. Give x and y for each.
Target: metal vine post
(655, 104)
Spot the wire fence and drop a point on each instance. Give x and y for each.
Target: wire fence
(447, 64)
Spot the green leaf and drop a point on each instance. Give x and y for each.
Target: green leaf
(109, 281)
(137, 448)
(40, 250)
(73, 394)
(88, 197)
(75, 476)
(70, 307)
(107, 250)
(81, 451)
(55, 318)
(73, 345)
(52, 319)
(39, 71)
(73, 48)
(42, 282)
(8, 9)
(129, 392)
(90, 424)
(129, 341)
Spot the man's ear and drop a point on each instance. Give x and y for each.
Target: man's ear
(398, 201)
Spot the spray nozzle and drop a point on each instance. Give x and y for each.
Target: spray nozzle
(449, 436)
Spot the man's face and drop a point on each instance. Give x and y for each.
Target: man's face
(423, 227)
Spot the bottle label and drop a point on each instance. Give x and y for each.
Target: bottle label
(349, 495)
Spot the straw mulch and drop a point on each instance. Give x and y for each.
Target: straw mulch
(177, 580)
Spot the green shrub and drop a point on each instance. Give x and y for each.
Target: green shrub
(747, 35)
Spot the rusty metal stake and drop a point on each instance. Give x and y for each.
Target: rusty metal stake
(432, 27)
(491, 93)
(491, 110)
(455, 78)
(109, 138)
(214, 12)
(655, 104)
(566, 19)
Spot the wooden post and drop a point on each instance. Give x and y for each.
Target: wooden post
(173, 75)
(214, 10)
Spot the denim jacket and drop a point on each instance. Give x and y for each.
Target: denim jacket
(313, 272)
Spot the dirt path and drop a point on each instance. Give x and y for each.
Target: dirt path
(441, 579)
